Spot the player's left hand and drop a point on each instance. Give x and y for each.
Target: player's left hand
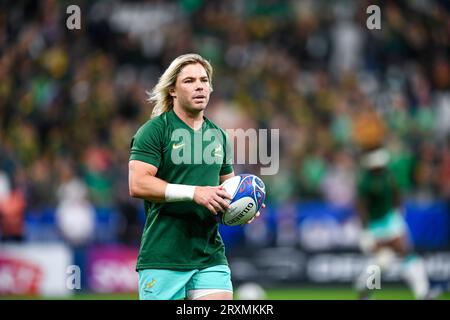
(256, 215)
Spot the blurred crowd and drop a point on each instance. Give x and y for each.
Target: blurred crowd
(70, 100)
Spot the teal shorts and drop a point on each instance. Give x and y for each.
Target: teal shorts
(166, 284)
(391, 226)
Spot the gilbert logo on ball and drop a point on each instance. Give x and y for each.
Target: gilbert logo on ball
(248, 193)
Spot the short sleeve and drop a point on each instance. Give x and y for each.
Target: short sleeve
(147, 143)
(227, 165)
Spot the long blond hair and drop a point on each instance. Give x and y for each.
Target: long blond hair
(160, 96)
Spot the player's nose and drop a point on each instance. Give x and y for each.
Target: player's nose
(199, 86)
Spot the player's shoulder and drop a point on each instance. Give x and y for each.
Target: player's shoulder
(153, 124)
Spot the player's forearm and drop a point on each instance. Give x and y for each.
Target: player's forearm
(154, 189)
(148, 188)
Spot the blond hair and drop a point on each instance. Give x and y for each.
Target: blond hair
(160, 95)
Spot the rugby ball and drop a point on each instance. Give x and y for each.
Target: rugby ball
(248, 193)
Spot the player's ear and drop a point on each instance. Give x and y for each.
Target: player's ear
(172, 92)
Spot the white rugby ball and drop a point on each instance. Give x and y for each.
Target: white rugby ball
(248, 193)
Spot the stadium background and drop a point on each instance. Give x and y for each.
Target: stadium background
(70, 100)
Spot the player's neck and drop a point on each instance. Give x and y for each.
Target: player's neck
(193, 120)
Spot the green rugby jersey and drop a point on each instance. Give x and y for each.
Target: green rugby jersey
(377, 189)
(181, 235)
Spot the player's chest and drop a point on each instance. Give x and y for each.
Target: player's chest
(187, 149)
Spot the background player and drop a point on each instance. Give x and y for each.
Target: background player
(385, 235)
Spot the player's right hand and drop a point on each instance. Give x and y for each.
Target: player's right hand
(215, 199)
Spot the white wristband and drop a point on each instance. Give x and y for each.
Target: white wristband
(179, 192)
